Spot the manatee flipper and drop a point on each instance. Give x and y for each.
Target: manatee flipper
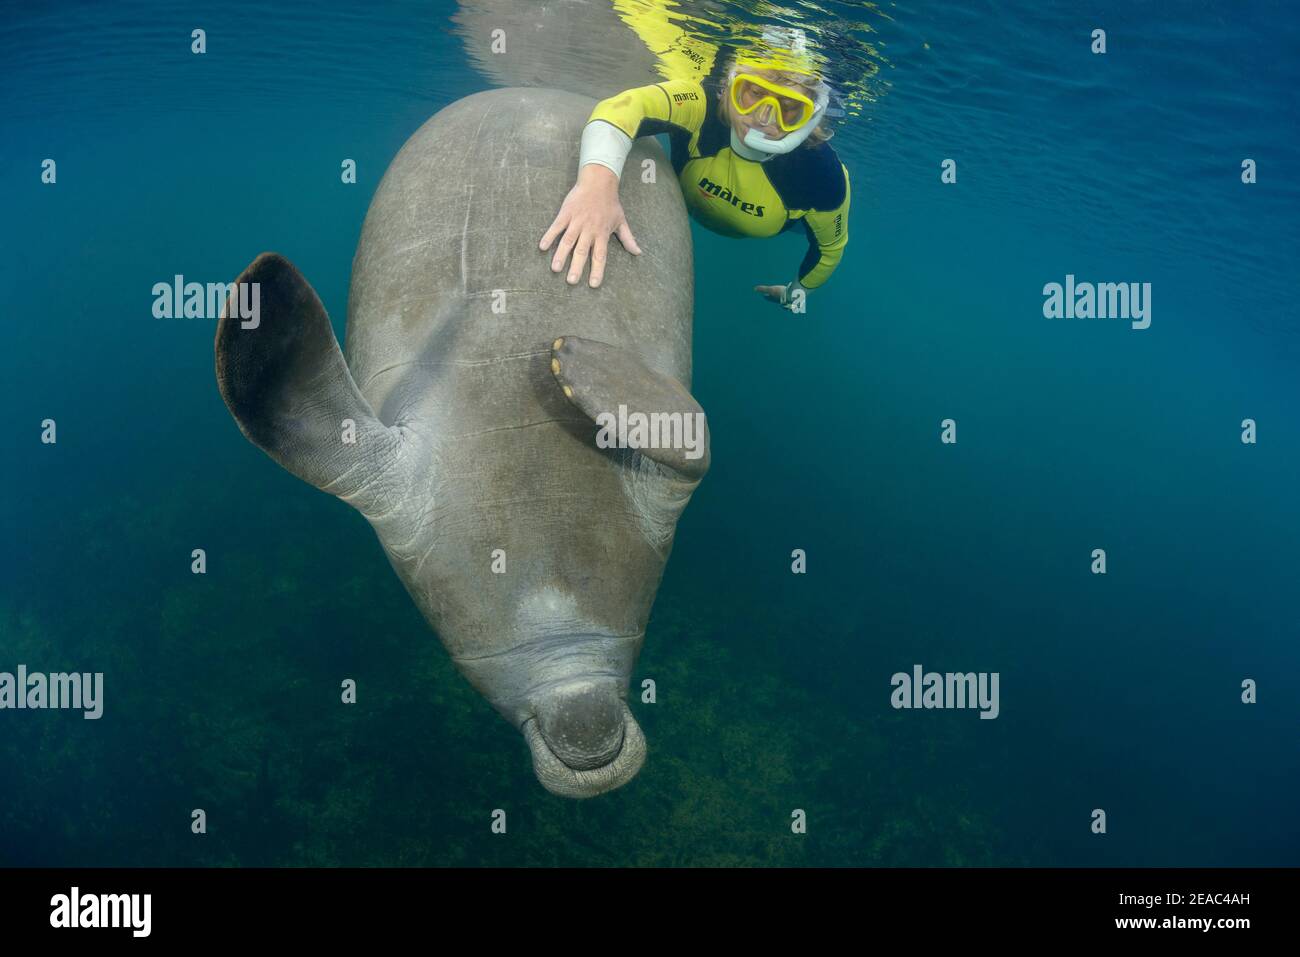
(598, 378)
(287, 385)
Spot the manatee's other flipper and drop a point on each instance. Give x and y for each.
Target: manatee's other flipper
(284, 379)
(599, 378)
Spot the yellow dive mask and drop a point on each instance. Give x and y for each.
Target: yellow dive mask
(790, 108)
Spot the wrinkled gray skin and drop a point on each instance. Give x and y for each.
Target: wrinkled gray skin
(473, 376)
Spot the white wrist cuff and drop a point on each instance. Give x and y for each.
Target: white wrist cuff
(605, 144)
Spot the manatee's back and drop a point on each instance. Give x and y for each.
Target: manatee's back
(448, 264)
(451, 317)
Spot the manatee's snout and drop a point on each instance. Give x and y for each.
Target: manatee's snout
(582, 724)
(584, 740)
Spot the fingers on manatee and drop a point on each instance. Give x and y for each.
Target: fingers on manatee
(562, 251)
(580, 254)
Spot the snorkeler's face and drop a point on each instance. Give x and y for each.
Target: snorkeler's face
(759, 100)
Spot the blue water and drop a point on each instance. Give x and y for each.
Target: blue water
(1119, 692)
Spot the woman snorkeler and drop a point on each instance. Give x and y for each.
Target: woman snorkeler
(748, 149)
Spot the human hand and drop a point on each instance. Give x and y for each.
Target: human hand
(588, 215)
(785, 296)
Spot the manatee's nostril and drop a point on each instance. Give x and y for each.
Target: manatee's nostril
(582, 725)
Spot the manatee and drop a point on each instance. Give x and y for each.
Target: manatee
(581, 45)
(464, 419)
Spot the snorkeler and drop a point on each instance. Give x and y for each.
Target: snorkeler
(748, 149)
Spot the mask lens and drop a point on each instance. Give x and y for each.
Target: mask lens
(792, 111)
(749, 95)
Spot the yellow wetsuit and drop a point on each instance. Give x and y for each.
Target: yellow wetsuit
(732, 195)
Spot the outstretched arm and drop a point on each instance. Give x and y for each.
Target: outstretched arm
(591, 211)
(828, 234)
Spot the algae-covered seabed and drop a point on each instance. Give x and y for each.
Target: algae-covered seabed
(222, 692)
